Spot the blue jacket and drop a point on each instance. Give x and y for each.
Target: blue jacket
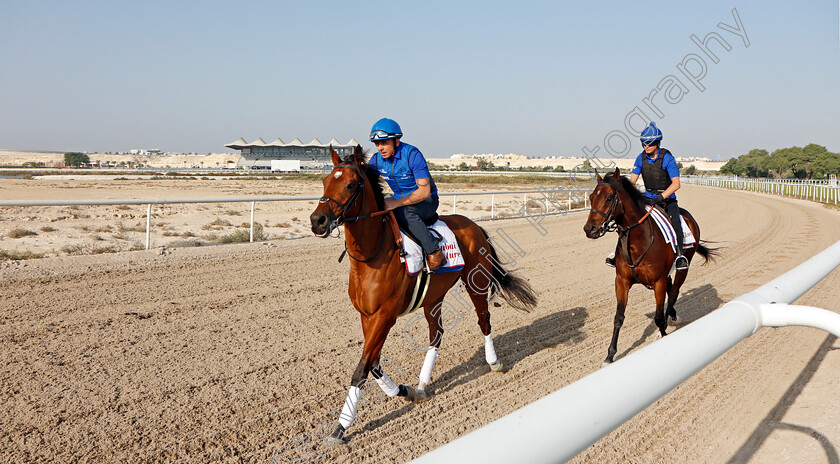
(402, 170)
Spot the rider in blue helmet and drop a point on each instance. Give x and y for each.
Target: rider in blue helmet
(661, 175)
(415, 198)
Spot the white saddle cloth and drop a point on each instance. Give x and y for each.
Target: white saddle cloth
(414, 254)
(664, 223)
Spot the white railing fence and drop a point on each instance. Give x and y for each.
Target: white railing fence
(557, 200)
(823, 191)
(562, 424)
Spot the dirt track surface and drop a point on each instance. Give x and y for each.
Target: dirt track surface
(239, 353)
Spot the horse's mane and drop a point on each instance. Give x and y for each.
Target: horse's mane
(631, 189)
(372, 176)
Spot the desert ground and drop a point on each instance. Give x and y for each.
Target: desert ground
(244, 352)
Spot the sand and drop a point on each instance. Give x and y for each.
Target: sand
(241, 352)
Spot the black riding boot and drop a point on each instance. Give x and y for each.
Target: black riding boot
(674, 213)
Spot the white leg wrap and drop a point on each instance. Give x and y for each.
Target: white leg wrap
(490, 350)
(387, 385)
(348, 412)
(428, 365)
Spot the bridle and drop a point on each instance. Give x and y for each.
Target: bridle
(610, 223)
(345, 207)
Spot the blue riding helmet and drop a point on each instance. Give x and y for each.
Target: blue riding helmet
(651, 133)
(385, 129)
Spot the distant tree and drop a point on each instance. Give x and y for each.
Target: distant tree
(484, 165)
(463, 166)
(690, 170)
(75, 159)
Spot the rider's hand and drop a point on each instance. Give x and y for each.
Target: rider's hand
(658, 200)
(390, 204)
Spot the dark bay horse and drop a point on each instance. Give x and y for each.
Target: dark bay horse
(641, 255)
(380, 288)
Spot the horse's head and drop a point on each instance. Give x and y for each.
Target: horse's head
(344, 191)
(606, 206)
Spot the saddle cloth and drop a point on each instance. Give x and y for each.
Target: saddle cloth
(664, 223)
(414, 254)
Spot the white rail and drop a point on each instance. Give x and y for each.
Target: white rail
(823, 191)
(562, 424)
(549, 197)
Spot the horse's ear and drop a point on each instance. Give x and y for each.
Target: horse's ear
(358, 155)
(598, 177)
(617, 173)
(335, 158)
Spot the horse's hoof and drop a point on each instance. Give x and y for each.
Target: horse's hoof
(606, 363)
(411, 396)
(497, 367)
(420, 396)
(335, 441)
(674, 319)
(337, 437)
(659, 335)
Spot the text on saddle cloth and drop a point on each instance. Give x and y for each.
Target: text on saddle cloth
(414, 254)
(664, 223)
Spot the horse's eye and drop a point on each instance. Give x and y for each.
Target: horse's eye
(351, 186)
(609, 197)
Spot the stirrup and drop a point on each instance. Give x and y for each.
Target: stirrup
(610, 260)
(681, 263)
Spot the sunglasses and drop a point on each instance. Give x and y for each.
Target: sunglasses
(648, 143)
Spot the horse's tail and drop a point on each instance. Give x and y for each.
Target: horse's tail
(515, 290)
(708, 253)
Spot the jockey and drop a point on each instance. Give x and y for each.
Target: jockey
(415, 196)
(661, 176)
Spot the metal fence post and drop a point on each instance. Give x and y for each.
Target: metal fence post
(149, 227)
(492, 205)
(252, 220)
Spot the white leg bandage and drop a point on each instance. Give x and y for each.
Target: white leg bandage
(428, 365)
(387, 385)
(490, 350)
(348, 412)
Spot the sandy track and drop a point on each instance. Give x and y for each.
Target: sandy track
(239, 352)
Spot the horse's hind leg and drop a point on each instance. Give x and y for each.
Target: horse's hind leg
(433, 313)
(479, 287)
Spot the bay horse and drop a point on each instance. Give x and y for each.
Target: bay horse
(641, 255)
(380, 288)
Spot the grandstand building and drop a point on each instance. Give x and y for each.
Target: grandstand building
(258, 154)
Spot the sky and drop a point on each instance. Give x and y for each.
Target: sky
(533, 78)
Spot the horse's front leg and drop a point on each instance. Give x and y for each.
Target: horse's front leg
(660, 289)
(622, 290)
(376, 331)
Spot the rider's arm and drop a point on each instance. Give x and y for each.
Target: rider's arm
(634, 178)
(675, 185)
(423, 191)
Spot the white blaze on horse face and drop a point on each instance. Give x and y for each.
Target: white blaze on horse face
(337, 174)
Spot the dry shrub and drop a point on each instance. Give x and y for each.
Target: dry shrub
(18, 255)
(48, 229)
(18, 233)
(185, 243)
(231, 212)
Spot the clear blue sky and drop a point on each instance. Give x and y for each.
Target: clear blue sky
(535, 78)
